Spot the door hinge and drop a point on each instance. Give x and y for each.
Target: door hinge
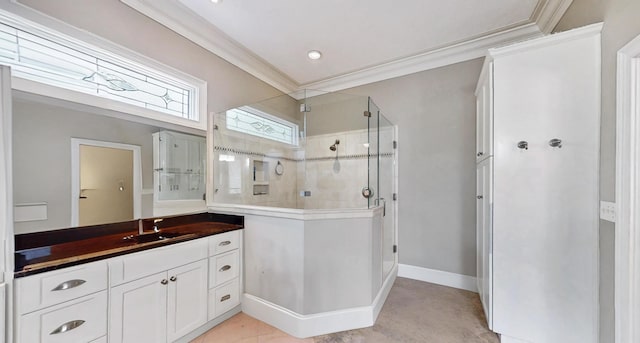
(367, 114)
(305, 108)
(395, 144)
(395, 196)
(395, 248)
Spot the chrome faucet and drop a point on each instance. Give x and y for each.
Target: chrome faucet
(155, 225)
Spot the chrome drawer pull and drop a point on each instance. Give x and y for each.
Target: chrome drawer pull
(225, 298)
(223, 243)
(68, 326)
(68, 284)
(225, 268)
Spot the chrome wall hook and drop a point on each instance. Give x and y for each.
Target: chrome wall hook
(555, 143)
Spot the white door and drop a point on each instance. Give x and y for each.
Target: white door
(545, 251)
(187, 299)
(139, 311)
(106, 182)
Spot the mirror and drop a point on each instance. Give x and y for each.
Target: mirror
(43, 129)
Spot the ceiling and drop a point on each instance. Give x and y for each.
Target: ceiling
(361, 41)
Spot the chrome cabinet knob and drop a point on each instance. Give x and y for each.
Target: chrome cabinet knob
(479, 197)
(479, 154)
(173, 278)
(523, 145)
(164, 281)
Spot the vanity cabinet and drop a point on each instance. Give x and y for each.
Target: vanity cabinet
(160, 308)
(66, 305)
(156, 295)
(537, 183)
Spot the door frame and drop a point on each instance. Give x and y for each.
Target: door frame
(627, 233)
(75, 174)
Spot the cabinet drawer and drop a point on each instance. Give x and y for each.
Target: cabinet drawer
(223, 268)
(224, 298)
(84, 320)
(224, 242)
(51, 288)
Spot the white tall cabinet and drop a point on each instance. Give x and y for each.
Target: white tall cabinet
(538, 157)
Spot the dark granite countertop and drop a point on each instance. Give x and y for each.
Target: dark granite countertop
(45, 251)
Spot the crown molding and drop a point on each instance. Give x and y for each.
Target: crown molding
(193, 27)
(456, 53)
(548, 13)
(178, 18)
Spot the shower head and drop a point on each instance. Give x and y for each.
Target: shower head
(334, 147)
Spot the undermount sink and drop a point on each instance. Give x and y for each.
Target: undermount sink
(153, 237)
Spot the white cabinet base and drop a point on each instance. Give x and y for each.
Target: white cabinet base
(209, 325)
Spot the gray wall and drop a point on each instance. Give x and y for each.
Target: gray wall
(621, 24)
(435, 114)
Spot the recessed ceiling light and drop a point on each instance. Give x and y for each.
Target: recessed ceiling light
(314, 54)
(216, 1)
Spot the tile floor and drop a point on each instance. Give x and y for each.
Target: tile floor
(415, 311)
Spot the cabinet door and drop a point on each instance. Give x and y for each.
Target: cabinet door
(484, 230)
(546, 197)
(187, 307)
(484, 117)
(139, 311)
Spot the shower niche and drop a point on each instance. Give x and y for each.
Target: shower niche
(260, 177)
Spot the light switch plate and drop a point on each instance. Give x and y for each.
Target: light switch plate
(608, 211)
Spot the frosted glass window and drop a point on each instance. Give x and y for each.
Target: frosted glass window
(257, 123)
(60, 61)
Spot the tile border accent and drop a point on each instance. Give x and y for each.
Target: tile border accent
(309, 159)
(438, 277)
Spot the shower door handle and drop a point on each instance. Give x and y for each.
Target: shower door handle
(384, 207)
(367, 192)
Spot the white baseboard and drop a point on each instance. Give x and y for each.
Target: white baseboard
(438, 277)
(303, 326)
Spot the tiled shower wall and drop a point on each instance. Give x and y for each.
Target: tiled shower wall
(235, 155)
(334, 178)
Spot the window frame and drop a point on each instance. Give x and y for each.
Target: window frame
(295, 129)
(82, 41)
